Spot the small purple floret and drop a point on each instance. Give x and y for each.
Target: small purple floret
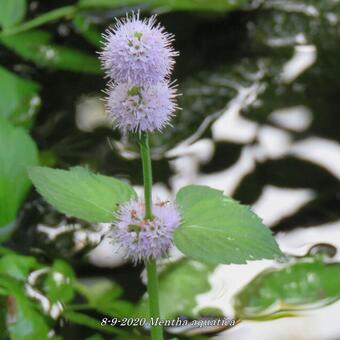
(137, 51)
(145, 239)
(147, 109)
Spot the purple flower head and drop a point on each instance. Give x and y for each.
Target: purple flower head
(145, 239)
(147, 108)
(137, 51)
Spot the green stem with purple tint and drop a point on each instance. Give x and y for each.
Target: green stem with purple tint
(156, 330)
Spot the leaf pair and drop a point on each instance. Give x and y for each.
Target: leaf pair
(214, 229)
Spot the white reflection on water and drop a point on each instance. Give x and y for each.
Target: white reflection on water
(228, 180)
(300, 240)
(319, 324)
(227, 280)
(231, 126)
(303, 58)
(276, 203)
(272, 143)
(90, 113)
(296, 118)
(323, 152)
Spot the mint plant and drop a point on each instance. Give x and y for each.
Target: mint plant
(203, 223)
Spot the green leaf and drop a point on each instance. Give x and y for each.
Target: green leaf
(12, 12)
(179, 285)
(59, 283)
(305, 284)
(36, 46)
(217, 229)
(80, 193)
(18, 266)
(103, 295)
(17, 152)
(19, 98)
(23, 319)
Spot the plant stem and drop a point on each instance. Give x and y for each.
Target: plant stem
(147, 173)
(156, 330)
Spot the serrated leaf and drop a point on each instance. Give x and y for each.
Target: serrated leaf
(80, 193)
(19, 98)
(12, 12)
(36, 46)
(217, 229)
(179, 285)
(17, 152)
(304, 284)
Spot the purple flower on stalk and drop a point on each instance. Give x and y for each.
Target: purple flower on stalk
(145, 239)
(133, 108)
(137, 51)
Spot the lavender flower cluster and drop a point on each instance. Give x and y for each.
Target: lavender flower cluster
(138, 58)
(145, 239)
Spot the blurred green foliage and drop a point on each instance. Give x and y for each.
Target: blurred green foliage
(35, 296)
(12, 12)
(35, 45)
(179, 285)
(17, 152)
(19, 98)
(305, 284)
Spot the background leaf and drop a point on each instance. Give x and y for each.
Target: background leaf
(103, 295)
(85, 320)
(59, 283)
(88, 30)
(24, 320)
(81, 193)
(17, 152)
(18, 266)
(200, 5)
(19, 98)
(36, 46)
(179, 285)
(305, 284)
(12, 12)
(217, 229)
